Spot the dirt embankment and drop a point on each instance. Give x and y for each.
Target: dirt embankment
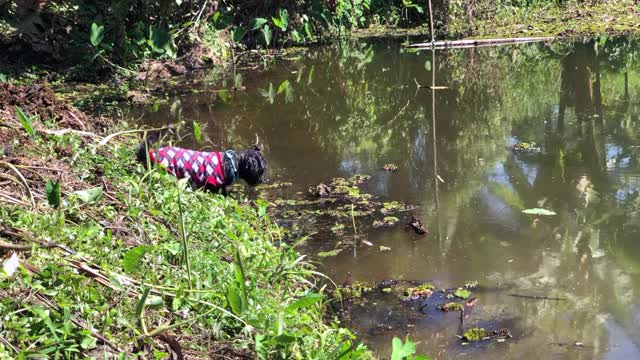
(26, 161)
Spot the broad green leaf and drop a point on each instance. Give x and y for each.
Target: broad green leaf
(257, 23)
(266, 32)
(539, 211)
(53, 193)
(284, 19)
(3, 77)
(284, 339)
(197, 132)
(238, 34)
(427, 65)
(133, 258)
(234, 299)
(89, 195)
(97, 34)
(26, 122)
(277, 22)
(396, 348)
(401, 351)
(305, 301)
(160, 39)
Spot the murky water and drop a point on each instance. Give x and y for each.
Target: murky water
(352, 109)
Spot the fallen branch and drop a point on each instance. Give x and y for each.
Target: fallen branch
(536, 297)
(108, 138)
(67, 131)
(22, 180)
(432, 87)
(453, 44)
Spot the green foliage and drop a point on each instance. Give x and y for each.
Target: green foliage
(133, 258)
(26, 121)
(197, 132)
(97, 34)
(475, 334)
(404, 350)
(89, 195)
(52, 190)
(283, 21)
(462, 293)
(268, 288)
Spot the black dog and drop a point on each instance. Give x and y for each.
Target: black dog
(213, 171)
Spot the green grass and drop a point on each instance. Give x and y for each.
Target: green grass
(118, 271)
(549, 19)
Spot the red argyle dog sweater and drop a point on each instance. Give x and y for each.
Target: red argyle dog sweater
(200, 167)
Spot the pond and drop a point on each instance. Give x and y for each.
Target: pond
(352, 108)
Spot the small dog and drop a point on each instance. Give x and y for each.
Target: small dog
(212, 171)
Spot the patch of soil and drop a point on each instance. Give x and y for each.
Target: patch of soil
(220, 350)
(40, 100)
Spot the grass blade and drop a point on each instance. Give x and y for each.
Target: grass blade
(26, 122)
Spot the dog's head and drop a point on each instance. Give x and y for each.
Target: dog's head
(251, 166)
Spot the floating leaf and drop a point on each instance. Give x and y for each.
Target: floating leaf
(462, 293)
(26, 121)
(97, 34)
(90, 195)
(133, 258)
(539, 211)
(53, 193)
(305, 301)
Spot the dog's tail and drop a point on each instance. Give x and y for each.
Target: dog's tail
(142, 153)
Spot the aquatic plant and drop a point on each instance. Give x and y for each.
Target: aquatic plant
(462, 293)
(475, 334)
(451, 306)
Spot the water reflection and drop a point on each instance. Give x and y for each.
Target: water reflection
(349, 109)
